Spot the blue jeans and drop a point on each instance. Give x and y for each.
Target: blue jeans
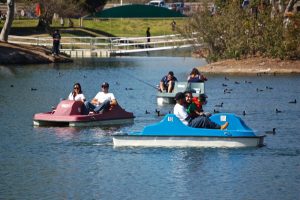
(91, 107)
(203, 122)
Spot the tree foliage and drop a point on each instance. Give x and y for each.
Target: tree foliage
(64, 8)
(235, 32)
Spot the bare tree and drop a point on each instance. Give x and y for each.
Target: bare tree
(8, 22)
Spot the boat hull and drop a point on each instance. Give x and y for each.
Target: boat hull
(171, 132)
(188, 141)
(69, 113)
(84, 123)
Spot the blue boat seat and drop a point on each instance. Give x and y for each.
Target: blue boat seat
(234, 121)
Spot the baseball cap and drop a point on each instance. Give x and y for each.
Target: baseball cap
(105, 84)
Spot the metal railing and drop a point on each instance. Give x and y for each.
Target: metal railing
(112, 44)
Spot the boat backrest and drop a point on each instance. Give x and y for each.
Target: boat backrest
(170, 123)
(234, 121)
(180, 87)
(68, 107)
(196, 87)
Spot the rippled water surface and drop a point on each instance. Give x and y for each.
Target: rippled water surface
(81, 163)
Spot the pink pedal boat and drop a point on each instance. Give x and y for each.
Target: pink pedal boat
(69, 113)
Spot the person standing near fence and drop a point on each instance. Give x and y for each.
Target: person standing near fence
(56, 42)
(148, 34)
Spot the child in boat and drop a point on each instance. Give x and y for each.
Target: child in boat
(196, 103)
(200, 121)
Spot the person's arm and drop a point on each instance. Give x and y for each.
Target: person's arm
(70, 97)
(113, 100)
(95, 101)
(82, 98)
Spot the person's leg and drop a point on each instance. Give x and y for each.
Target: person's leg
(56, 48)
(89, 106)
(84, 109)
(171, 86)
(103, 106)
(203, 122)
(161, 86)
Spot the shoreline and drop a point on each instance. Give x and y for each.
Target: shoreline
(27, 54)
(251, 66)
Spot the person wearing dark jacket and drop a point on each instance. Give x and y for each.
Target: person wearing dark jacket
(56, 42)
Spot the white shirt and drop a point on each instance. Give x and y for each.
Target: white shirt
(181, 113)
(78, 97)
(101, 97)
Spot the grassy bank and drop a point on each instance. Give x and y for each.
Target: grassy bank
(116, 27)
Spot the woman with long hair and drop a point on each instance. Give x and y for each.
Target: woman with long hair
(76, 94)
(196, 76)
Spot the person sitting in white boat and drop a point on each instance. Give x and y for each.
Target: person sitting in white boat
(195, 76)
(102, 101)
(167, 82)
(76, 94)
(201, 121)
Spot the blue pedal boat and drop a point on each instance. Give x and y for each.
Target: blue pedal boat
(171, 132)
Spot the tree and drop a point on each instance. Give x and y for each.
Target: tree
(234, 31)
(65, 9)
(8, 22)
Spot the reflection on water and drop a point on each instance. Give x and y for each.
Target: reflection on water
(81, 163)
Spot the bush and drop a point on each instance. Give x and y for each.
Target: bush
(235, 32)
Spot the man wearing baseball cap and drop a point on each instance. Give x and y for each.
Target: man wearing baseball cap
(102, 101)
(201, 121)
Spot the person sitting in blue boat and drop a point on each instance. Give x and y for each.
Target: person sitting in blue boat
(194, 105)
(195, 76)
(102, 101)
(167, 82)
(200, 121)
(76, 94)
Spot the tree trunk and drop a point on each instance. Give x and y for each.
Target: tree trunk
(8, 22)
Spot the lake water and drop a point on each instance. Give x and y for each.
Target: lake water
(81, 163)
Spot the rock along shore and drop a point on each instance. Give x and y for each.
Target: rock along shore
(27, 54)
(256, 65)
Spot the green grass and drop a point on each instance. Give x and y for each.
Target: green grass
(117, 27)
(23, 23)
(133, 27)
